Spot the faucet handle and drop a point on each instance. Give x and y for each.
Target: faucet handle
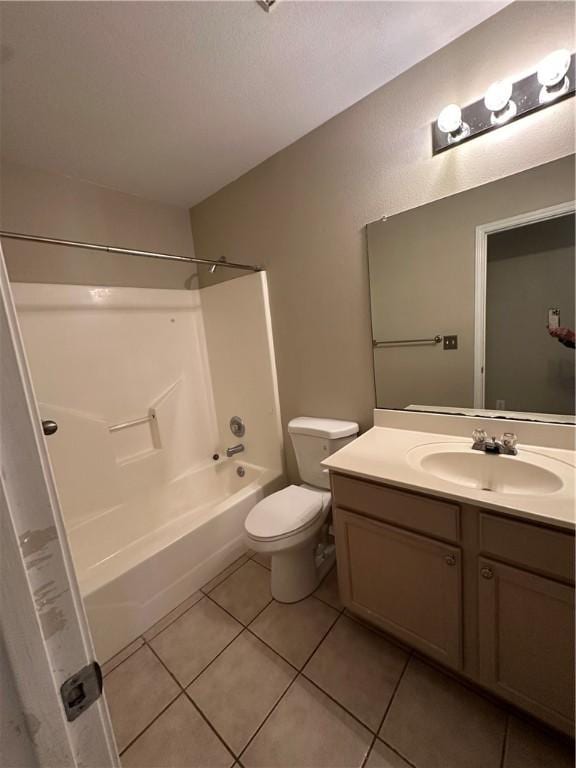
(479, 436)
(509, 440)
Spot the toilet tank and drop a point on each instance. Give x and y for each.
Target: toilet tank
(315, 439)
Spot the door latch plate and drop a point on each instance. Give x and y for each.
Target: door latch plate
(81, 690)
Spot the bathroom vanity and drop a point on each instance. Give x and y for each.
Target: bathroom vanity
(479, 580)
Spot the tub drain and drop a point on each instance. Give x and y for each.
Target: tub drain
(240, 471)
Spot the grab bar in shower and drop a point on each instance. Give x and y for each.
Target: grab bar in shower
(407, 342)
(132, 423)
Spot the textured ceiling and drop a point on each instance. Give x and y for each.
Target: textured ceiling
(173, 100)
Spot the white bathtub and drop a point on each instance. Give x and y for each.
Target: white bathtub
(137, 561)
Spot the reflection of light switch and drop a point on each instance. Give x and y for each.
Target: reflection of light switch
(450, 342)
(554, 318)
(501, 405)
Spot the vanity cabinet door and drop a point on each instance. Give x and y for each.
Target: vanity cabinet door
(526, 636)
(407, 584)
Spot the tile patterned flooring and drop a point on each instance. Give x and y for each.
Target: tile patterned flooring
(233, 678)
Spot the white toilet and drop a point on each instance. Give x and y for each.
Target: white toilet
(291, 525)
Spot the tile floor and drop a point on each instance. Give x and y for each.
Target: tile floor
(233, 678)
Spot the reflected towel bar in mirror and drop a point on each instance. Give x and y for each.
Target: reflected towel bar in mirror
(407, 342)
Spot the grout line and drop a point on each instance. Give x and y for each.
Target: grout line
(339, 703)
(105, 674)
(505, 742)
(262, 724)
(394, 692)
(209, 724)
(183, 690)
(172, 675)
(369, 752)
(296, 677)
(291, 663)
(245, 626)
(393, 749)
(315, 596)
(279, 653)
(324, 636)
(187, 685)
(254, 556)
(197, 592)
(143, 731)
(203, 587)
(378, 729)
(386, 714)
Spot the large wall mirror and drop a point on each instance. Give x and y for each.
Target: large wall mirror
(472, 300)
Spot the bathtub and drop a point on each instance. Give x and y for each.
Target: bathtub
(137, 561)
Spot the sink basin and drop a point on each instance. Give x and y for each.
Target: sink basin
(528, 474)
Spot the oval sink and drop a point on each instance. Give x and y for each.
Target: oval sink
(528, 475)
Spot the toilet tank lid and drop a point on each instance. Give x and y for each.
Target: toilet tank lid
(330, 428)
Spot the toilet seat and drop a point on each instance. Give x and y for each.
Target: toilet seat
(286, 512)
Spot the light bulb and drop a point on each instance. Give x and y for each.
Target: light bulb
(497, 100)
(552, 70)
(450, 122)
(498, 95)
(450, 119)
(552, 75)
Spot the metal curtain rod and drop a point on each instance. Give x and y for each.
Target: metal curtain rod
(126, 251)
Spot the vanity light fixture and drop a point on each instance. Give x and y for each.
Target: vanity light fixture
(506, 101)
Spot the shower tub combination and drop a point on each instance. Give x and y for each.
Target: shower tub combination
(143, 384)
(137, 561)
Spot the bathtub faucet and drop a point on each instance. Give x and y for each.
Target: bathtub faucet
(234, 450)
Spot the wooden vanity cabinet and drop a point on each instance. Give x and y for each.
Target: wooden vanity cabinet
(526, 640)
(409, 585)
(433, 574)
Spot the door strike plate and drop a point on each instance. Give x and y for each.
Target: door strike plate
(81, 690)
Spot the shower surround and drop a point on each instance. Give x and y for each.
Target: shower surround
(143, 383)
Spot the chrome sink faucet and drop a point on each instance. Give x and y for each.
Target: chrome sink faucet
(506, 444)
(234, 450)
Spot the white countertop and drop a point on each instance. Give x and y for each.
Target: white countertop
(381, 455)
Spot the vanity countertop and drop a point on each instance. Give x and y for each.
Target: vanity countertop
(382, 454)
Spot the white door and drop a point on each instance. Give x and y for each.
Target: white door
(45, 639)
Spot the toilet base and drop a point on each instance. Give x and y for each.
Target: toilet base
(296, 573)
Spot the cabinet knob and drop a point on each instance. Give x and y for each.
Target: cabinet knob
(450, 560)
(487, 573)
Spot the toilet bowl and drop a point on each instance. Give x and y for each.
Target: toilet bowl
(291, 525)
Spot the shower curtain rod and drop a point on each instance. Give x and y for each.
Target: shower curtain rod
(127, 251)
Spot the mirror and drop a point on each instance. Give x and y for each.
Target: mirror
(472, 300)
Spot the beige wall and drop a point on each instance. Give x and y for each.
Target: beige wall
(302, 212)
(41, 203)
(422, 266)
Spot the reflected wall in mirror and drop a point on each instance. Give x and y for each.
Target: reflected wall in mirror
(463, 291)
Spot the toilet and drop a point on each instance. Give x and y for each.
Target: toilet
(291, 525)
